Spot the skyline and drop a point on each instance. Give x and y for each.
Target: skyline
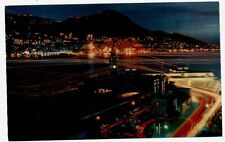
(197, 19)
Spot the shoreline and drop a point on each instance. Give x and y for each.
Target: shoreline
(202, 53)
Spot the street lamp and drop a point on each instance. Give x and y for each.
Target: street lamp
(98, 118)
(165, 126)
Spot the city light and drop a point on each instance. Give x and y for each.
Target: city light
(133, 103)
(114, 66)
(98, 118)
(91, 55)
(166, 127)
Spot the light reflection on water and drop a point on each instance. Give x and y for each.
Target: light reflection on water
(204, 63)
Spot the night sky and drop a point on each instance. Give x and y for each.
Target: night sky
(199, 20)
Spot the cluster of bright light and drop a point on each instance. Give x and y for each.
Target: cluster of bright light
(91, 55)
(91, 50)
(28, 54)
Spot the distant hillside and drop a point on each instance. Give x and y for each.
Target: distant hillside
(106, 23)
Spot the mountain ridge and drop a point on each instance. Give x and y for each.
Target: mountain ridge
(105, 23)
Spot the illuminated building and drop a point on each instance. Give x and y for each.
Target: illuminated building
(160, 84)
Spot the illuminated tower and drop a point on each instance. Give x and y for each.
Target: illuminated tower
(113, 59)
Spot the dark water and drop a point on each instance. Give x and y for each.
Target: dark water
(211, 67)
(202, 62)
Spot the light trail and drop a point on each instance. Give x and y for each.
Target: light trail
(196, 115)
(207, 114)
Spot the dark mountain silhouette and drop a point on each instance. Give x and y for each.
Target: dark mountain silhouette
(109, 23)
(106, 23)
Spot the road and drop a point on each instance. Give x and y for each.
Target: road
(202, 114)
(196, 116)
